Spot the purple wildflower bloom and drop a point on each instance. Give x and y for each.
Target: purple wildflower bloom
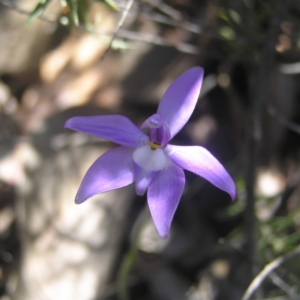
(149, 160)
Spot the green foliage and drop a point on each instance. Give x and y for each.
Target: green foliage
(83, 12)
(280, 234)
(75, 12)
(227, 33)
(73, 15)
(112, 4)
(38, 10)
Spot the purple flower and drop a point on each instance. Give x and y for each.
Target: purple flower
(149, 160)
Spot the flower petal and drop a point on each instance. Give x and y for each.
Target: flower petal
(115, 128)
(180, 99)
(200, 161)
(164, 194)
(112, 170)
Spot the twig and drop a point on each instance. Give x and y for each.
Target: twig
(119, 25)
(291, 292)
(193, 28)
(159, 18)
(159, 41)
(283, 121)
(166, 9)
(270, 267)
(147, 38)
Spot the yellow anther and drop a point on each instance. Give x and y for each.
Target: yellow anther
(154, 146)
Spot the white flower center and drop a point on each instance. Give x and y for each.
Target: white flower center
(148, 159)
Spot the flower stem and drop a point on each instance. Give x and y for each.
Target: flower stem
(130, 257)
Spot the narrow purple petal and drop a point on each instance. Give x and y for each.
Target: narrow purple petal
(112, 170)
(164, 194)
(198, 160)
(180, 99)
(143, 178)
(115, 128)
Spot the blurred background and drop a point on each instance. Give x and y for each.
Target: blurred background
(66, 58)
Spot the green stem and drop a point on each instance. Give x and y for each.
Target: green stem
(130, 257)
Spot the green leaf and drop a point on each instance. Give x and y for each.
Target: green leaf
(73, 11)
(83, 12)
(234, 16)
(227, 33)
(38, 10)
(222, 15)
(112, 4)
